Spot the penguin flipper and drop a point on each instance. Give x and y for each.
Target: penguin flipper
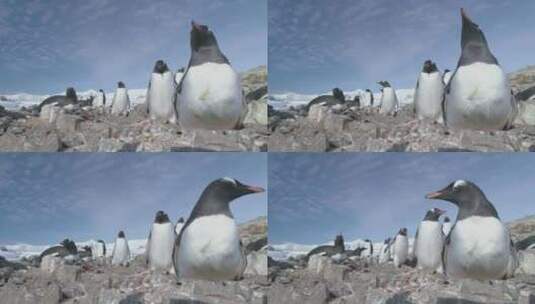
(444, 249)
(415, 241)
(179, 86)
(147, 249)
(244, 260)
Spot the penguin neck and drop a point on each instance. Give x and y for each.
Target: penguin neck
(476, 51)
(476, 207)
(210, 204)
(206, 54)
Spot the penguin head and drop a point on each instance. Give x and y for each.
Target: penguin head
(228, 189)
(180, 220)
(460, 193)
(368, 90)
(403, 231)
(339, 241)
(472, 38)
(446, 71)
(339, 94)
(71, 93)
(121, 234)
(384, 84)
(446, 219)
(201, 36)
(433, 214)
(161, 217)
(87, 249)
(429, 67)
(120, 84)
(160, 67)
(367, 241)
(70, 246)
(101, 91)
(387, 241)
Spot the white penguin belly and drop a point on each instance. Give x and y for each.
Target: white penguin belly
(447, 78)
(161, 96)
(428, 96)
(479, 98)
(121, 252)
(389, 101)
(401, 250)
(446, 228)
(178, 228)
(121, 102)
(479, 248)
(162, 240)
(211, 97)
(210, 249)
(97, 250)
(99, 100)
(430, 243)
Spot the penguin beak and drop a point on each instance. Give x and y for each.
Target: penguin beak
(253, 189)
(441, 194)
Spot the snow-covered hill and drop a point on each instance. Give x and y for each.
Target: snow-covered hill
(19, 251)
(16, 101)
(286, 100)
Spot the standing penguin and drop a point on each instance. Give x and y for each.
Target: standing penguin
(161, 94)
(479, 245)
(429, 93)
(368, 250)
(160, 243)
(384, 255)
(98, 249)
(429, 241)
(210, 93)
(179, 225)
(120, 104)
(209, 245)
(446, 226)
(446, 77)
(100, 99)
(478, 95)
(389, 101)
(121, 251)
(401, 247)
(366, 98)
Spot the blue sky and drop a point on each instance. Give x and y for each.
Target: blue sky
(315, 45)
(49, 197)
(50, 45)
(314, 196)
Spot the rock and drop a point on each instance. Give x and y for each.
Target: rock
(68, 123)
(317, 264)
(50, 264)
(526, 262)
(256, 113)
(526, 113)
(256, 264)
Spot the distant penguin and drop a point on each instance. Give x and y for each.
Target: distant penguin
(384, 255)
(161, 94)
(69, 98)
(121, 102)
(339, 95)
(429, 241)
(478, 95)
(66, 247)
(210, 93)
(121, 251)
(368, 249)
(366, 98)
(389, 101)
(446, 226)
(178, 75)
(209, 245)
(429, 93)
(446, 77)
(178, 226)
(478, 245)
(400, 248)
(329, 250)
(98, 249)
(100, 99)
(160, 243)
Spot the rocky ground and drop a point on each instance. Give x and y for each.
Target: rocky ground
(341, 127)
(86, 129)
(96, 282)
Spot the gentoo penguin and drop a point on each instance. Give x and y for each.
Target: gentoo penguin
(329, 250)
(446, 77)
(337, 97)
(160, 243)
(178, 75)
(368, 249)
(210, 94)
(100, 99)
(389, 100)
(446, 226)
(66, 247)
(384, 254)
(478, 95)
(121, 251)
(120, 104)
(179, 225)
(429, 93)
(429, 241)
(366, 98)
(98, 249)
(400, 248)
(209, 246)
(69, 98)
(161, 94)
(478, 245)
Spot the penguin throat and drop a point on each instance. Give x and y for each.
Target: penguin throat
(205, 54)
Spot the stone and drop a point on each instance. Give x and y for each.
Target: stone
(50, 264)
(527, 262)
(256, 264)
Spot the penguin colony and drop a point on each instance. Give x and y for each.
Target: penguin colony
(477, 245)
(476, 95)
(206, 246)
(205, 95)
